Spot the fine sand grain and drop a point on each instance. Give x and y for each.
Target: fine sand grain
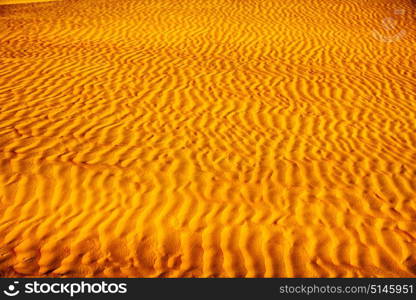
(196, 138)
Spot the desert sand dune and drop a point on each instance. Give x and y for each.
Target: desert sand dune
(221, 138)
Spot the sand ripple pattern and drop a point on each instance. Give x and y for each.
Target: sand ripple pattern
(221, 138)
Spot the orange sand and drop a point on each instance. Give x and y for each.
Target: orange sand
(226, 138)
(3, 2)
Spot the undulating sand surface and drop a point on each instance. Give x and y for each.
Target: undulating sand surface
(196, 138)
(3, 2)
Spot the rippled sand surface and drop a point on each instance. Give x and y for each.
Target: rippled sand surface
(221, 138)
(4, 2)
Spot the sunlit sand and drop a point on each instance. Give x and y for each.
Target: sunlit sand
(221, 138)
(4, 2)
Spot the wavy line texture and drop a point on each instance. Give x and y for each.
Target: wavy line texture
(221, 138)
